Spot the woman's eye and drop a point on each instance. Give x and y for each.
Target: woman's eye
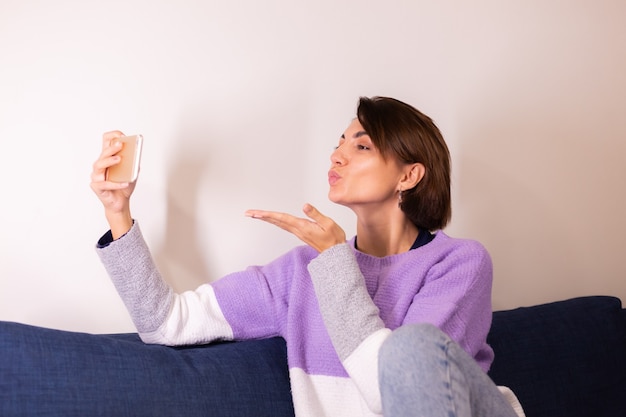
(362, 147)
(339, 144)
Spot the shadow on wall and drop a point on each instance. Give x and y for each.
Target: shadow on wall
(253, 155)
(181, 257)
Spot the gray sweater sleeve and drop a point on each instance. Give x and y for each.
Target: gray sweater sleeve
(347, 309)
(130, 265)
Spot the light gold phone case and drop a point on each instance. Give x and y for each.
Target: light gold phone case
(128, 167)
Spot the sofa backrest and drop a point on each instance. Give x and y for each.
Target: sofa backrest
(566, 358)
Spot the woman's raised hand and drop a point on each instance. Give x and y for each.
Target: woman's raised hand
(115, 197)
(318, 231)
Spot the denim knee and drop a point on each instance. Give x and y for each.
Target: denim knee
(415, 336)
(413, 372)
(410, 343)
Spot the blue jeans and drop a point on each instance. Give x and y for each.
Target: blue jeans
(422, 372)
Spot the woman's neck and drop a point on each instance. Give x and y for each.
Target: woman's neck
(385, 237)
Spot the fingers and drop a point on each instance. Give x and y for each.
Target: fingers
(103, 186)
(294, 225)
(113, 195)
(323, 221)
(107, 137)
(103, 162)
(285, 221)
(320, 232)
(107, 156)
(275, 217)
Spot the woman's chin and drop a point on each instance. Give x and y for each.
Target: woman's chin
(335, 199)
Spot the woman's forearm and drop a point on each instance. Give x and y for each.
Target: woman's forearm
(119, 223)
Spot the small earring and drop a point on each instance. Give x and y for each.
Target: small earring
(400, 198)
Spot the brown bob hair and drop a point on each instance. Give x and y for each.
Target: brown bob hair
(406, 134)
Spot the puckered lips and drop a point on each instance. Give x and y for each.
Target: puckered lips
(333, 177)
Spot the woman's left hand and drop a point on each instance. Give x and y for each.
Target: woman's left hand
(318, 231)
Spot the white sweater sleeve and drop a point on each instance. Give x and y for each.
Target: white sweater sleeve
(351, 318)
(160, 315)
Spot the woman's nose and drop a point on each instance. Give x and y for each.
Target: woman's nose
(337, 157)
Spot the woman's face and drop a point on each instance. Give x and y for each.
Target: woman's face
(359, 176)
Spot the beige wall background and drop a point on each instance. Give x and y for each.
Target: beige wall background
(242, 102)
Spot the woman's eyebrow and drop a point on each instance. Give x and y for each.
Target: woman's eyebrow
(356, 135)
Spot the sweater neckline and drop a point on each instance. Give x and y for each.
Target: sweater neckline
(423, 237)
(434, 238)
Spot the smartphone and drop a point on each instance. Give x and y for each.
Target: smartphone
(127, 169)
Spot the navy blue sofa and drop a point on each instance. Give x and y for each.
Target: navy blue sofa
(566, 358)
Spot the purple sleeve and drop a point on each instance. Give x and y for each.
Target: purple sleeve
(255, 301)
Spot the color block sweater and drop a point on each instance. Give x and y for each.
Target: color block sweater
(334, 309)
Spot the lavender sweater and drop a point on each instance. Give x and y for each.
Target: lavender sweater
(334, 309)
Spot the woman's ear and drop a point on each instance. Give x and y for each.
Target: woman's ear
(413, 174)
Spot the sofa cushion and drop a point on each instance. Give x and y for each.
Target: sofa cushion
(566, 358)
(56, 373)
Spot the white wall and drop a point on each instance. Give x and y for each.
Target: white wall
(241, 103)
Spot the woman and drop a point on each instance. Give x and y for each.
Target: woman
(338, 302)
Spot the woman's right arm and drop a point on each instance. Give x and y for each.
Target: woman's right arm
(160, 315)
